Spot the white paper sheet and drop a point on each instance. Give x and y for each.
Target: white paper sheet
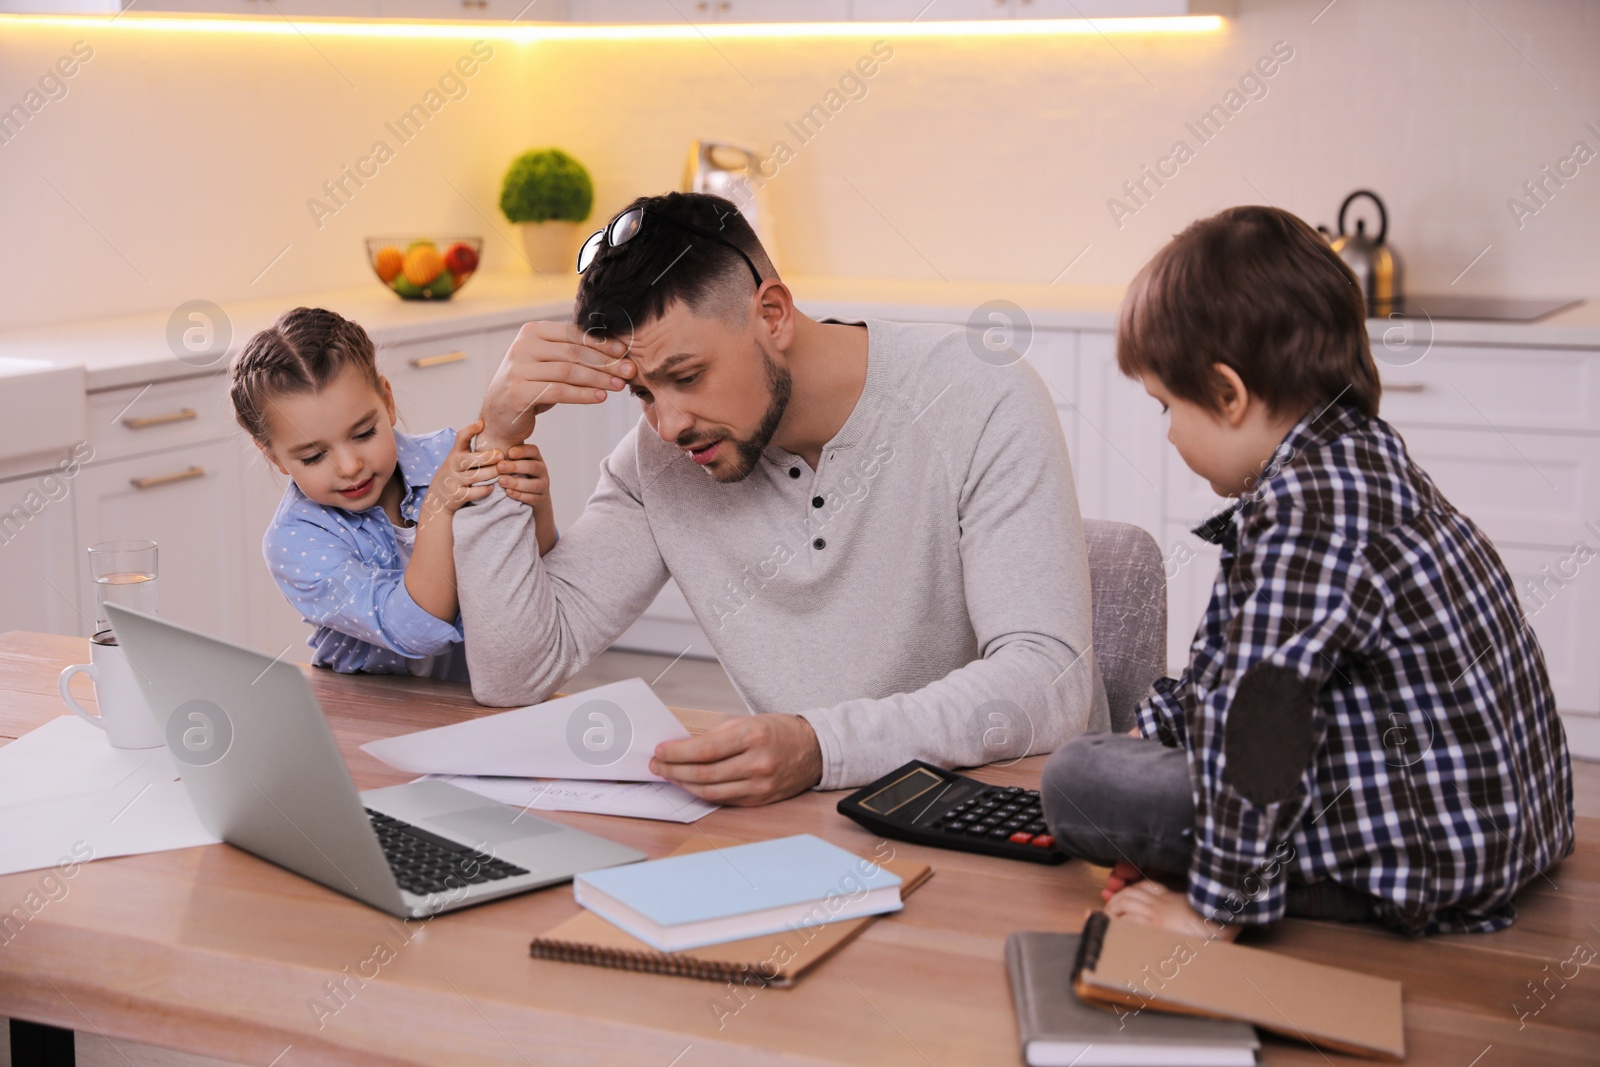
(65, 793)
(637, 800)
(608, 733)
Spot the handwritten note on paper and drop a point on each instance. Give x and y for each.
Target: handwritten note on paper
(638, 800)
(608, 732)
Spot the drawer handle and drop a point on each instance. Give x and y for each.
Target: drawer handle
(1405, 387)
(424, 362)
(168, 479)
(147, 421)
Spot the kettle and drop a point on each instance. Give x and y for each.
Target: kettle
(733, 172)
(1375, 264)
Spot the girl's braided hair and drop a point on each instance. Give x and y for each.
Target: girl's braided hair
(301, 352)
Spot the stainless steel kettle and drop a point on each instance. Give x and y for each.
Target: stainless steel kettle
(1374, 262)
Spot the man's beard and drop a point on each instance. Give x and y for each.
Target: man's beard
(747, 451)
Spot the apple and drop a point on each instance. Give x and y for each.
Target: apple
(440, 287)
(461, 259)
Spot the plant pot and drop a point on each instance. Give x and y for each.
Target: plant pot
(552, 247)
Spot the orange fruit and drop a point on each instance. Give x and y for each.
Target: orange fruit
(423, 264)
(387, 262)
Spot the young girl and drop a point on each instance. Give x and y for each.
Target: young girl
(361, 544)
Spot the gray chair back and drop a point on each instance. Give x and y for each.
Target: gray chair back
(1128, 586)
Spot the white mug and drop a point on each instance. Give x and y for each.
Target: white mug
(125, 716)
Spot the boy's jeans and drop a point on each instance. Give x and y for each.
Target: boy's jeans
(1110, 797)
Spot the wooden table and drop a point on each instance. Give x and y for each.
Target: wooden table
(212, 951)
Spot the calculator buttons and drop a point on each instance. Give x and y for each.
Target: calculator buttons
(971, 816)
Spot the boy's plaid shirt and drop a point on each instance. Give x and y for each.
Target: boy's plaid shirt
(1438, 778)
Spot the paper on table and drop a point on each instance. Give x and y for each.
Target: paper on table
(65, 794)
(638, 800)
(608, 732)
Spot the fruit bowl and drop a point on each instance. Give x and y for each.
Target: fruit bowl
(424, 268)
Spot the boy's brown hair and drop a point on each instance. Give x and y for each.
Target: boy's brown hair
(301, 352)
(1258, 290)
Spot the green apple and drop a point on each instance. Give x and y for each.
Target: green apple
(440, 287)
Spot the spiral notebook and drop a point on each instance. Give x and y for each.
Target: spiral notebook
(778, 960)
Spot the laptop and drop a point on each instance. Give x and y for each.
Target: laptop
(261, 766)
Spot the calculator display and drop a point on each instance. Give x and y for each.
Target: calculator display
(902, 790)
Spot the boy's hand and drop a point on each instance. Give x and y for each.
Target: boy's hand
(452, 484)
(523, 474)
(1121, 877)
(1153, 904)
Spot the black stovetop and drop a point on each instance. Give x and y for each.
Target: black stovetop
(1482, 308)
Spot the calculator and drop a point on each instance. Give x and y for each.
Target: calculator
(928, 805)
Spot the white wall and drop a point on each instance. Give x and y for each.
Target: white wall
(178, 165)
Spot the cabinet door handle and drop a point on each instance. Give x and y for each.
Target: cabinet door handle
(1405, 387)
(424, 362)
(167, 479)
(146, 421)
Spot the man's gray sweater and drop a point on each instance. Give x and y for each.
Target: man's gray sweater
(924, 593)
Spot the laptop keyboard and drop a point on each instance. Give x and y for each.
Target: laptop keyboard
(426, 863)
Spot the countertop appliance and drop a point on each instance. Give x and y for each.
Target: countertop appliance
(1375, 263)
(733, 172)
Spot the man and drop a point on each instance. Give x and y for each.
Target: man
(877, 530)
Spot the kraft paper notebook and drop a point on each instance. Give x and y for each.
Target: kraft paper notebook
(1138, 966)
(1059, 1030)
(779, 959)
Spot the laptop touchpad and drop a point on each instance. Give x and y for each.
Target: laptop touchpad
(492, 823)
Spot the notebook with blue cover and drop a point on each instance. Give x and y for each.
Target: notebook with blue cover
(706, 898)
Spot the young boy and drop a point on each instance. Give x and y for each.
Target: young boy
(1366, 728)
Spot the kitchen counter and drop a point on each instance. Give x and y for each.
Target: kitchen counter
(133, 349)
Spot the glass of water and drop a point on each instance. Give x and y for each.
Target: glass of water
(124, 574)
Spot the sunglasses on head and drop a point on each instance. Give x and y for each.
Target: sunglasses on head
(626, 226)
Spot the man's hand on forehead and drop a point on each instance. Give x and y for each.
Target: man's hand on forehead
(550, 363)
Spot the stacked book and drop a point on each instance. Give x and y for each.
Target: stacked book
(1122, 994)
(723, 912)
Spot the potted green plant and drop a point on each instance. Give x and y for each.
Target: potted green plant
(549, 195)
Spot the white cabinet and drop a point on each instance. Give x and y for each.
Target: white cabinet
(1511, 436)
(1525, 489)
(436, 383)
(190, 502)
(39, 566)
(668, 626)
(1562, 604)
(273, 625)
(1191, 568)
(1122, 440)
(572, 438)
